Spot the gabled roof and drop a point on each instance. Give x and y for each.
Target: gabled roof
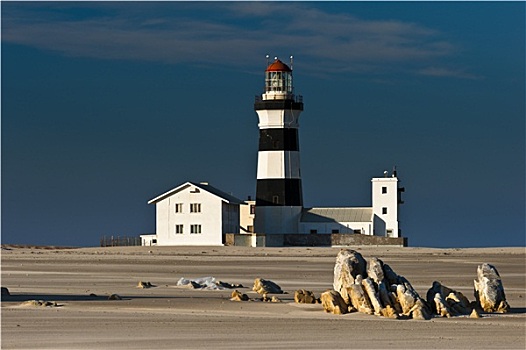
(204, 186)
(337, 215)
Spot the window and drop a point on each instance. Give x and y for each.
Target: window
(179, 229)
(250, 228)
(313, 232)
(195, 207)
(252, 209)
(275, 199)
(384, 210)
(178, 207)
(384, 190)
(195, 229)
(335, 231)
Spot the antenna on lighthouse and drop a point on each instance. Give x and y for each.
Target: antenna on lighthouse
(291, 61)
(267, 56)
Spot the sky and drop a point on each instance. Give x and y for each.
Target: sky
(106, 105)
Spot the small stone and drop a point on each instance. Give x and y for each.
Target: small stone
(262, 286)
(238, 296)
(114, 297)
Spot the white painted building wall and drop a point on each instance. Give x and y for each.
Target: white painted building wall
(246, 217)
(215, 217)
(385, 206)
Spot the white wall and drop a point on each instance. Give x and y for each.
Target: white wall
(342, 227)
(209, 218)
(245, 218)
(389, 201)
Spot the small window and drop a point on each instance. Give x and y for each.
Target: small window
(154, 240)
(252, 209)
(178, 229)
(195, 207)
(313, 231)
(384, 210)
(357, 231)
(195, 229)
(275, 199)
(250, 228)
(384, 190)
(178, 207)
(335, 231)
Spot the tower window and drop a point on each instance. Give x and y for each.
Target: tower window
(252, 209)
(275, 199)
(384, 210)
(384, 190)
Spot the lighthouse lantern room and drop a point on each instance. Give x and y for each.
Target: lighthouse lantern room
(279, 199)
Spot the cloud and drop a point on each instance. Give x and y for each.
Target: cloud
(447, 72)
(235, 34)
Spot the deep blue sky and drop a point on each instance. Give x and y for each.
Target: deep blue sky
(106, 105)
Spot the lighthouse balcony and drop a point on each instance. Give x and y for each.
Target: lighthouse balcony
(292, 102)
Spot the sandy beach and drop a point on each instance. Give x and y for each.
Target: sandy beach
(166, 316)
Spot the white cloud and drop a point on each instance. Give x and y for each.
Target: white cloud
(232, 33)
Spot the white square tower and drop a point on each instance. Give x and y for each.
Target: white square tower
(386, 201)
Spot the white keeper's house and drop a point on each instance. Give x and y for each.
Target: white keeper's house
(199, 214)
(194, 214)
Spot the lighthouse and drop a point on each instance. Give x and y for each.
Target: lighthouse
(279, 199)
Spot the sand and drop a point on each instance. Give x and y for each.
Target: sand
(170, 317)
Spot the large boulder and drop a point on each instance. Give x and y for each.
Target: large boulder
(333, 302)
(349, 265)
(262, 286)
(447, 302)
(489, 292)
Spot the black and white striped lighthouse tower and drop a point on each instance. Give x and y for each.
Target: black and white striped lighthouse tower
(279, 199)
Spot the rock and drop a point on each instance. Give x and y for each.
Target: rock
(419, 311)
(262, 286)
(359, 299)
(489, 291)
(390, 276)
(475, 314)
(333, 302)
(449, 302)
(40, 303)
(238, 296)
(389, 312)
(275, 299)
(142, 284)
(407, 298)
(303, 296)
(375, 270)
(441, 307)
(5, 291)
(349, 265)
(228, 285)
(458, 303)
(114, 297)
(370, 291)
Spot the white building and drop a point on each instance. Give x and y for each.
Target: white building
(379, 220)
(194, 214)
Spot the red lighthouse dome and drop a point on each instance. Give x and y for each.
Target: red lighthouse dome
(278, 66)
